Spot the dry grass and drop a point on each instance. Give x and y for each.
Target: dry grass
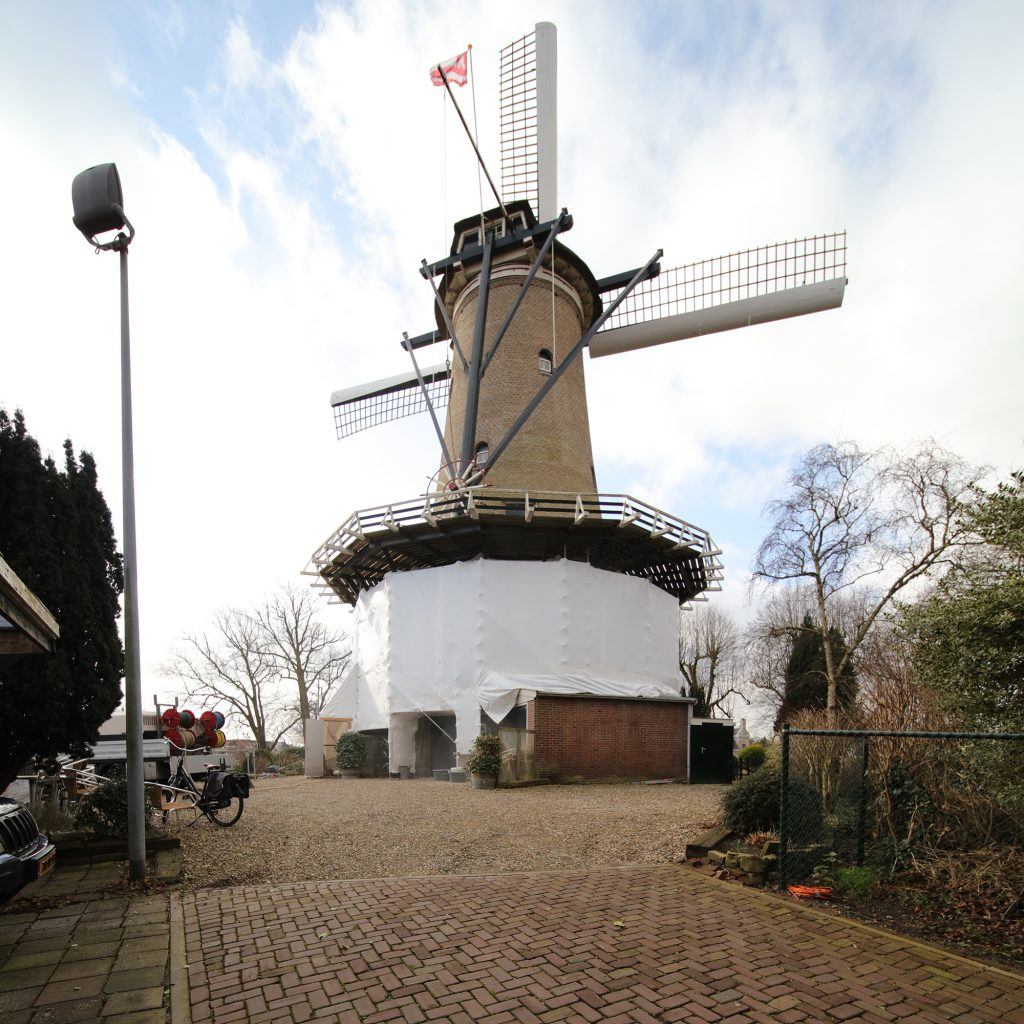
(316, 829)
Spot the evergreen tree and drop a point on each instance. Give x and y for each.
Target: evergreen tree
(807, 674)
(56, 534)
(968, 635)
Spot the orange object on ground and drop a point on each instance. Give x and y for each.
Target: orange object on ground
(820, 892)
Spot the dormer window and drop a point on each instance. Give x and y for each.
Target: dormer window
(471, 238)
(544, 362)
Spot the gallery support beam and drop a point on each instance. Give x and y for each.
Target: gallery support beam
(476, 359)
(426, 398)
(531, 274)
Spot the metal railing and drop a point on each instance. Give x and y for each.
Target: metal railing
(476, 502)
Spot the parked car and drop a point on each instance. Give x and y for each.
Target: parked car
(25, 853)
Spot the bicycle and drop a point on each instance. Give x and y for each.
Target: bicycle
(222, 798)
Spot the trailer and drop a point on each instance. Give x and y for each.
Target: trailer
(110, 750)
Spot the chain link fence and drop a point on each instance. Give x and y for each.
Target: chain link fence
(896, 800)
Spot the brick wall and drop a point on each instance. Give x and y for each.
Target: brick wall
(596, 737)
(552, 451)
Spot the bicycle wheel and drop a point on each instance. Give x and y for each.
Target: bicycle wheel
(226, 816)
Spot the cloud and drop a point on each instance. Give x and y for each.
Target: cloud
(244, 64)
(278, 261)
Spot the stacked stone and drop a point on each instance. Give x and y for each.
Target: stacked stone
(750, 868)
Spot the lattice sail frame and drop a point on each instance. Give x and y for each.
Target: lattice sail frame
(517, 121)
(394, 402)
(747, 274)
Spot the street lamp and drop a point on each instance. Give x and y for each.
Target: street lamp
(98, 205)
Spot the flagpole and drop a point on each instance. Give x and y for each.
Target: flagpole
(472, 141)
(476, 132)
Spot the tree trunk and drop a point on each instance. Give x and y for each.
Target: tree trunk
(300, 679)
(830, 667)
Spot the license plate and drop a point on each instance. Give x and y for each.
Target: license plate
(47, 863)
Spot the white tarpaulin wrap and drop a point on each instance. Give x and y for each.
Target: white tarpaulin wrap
(452, 639)
(499, 692)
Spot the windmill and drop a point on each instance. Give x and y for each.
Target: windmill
(513, 577)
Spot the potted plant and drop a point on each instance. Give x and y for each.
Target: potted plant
(484, 761)
(351, 751)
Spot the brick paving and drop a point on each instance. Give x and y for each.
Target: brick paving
(91, 956)
(631, 945)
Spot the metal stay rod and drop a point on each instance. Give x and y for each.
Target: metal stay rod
(426, 397)
(475, 358)
(447, 319)
(549, 241)
(580, 345)
(469, 135)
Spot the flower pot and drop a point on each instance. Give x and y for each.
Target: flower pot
(350, 773)
(483, 781)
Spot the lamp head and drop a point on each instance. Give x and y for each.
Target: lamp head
(97, 201)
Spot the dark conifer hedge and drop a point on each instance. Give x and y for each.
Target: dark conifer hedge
(56, 534)
(806, 676)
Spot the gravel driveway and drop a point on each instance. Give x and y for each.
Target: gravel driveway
(297, 829)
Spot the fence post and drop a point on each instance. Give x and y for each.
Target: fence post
(784, 807)
(862, 810)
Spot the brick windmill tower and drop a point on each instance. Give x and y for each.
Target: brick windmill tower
(514, 592)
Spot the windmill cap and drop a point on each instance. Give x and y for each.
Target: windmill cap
(568, 265)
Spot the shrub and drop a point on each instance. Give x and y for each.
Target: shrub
(752, 805)
(52, 817)
(291, 760)
(856, 883)
(104, 811)
(485, 757)
(351, 751)
(853, 883)
(752, 757)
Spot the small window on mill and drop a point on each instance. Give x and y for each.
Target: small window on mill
(544, 360)
(483, 450)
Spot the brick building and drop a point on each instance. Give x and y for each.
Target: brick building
(590, 737)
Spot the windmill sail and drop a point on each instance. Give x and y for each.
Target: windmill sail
(527, 107)
(755, 286)
(393, 398)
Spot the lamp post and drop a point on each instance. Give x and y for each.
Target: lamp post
(98, 205)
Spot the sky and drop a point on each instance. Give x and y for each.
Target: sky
(287, 166)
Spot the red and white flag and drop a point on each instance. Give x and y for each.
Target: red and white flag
(454, 68)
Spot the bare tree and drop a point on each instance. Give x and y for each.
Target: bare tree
(234, 668)
(302, 649)
(891, 694)
(855, 519)
(709, 641)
